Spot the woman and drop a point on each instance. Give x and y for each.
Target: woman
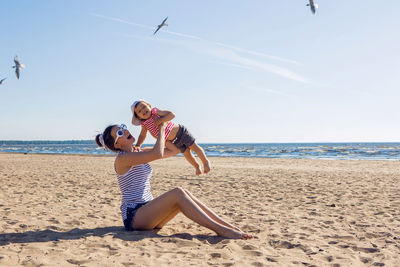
(140, 211)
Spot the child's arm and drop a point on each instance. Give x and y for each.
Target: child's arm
(142, 136)
(165, 115)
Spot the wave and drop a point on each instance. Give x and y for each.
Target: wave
(363, 151)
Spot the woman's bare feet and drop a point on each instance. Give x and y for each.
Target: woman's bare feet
(233, 234)
(237, 229)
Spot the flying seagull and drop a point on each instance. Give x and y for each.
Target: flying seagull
(163, 23)
(1, 81)
(18, 66)
(313, 6)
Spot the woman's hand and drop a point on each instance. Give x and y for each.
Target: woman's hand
(136, 149)
(125, 161)
(163, 124)
(163, 116)
(158, 122)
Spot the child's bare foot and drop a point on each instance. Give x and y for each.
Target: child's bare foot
(207, 167)
(198, 171)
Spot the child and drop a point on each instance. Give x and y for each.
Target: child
(177, 137)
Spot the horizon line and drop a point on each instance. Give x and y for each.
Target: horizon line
(276, 142)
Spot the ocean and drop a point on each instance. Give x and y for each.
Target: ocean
(347, 151)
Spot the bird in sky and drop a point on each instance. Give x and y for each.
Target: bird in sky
(1, 81)
(163, 23)
(313, 6)
(18, 66)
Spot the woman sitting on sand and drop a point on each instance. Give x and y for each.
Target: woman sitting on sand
(140, 211)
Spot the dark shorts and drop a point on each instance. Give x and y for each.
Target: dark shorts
(130, 215)
(183, 139)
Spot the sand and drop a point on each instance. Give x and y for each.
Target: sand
(63, 210)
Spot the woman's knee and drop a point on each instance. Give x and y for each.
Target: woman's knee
(187, 192)
(179, 193)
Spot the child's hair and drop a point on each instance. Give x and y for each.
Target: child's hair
(108, 139)
(134, 112)
(137, 103)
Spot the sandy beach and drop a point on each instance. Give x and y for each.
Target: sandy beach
(63, 210)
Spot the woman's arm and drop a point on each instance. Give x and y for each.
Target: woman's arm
(167, 152)
(142, 136)
(165, 115)
(125, 161)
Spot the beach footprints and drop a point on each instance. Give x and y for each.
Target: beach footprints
(365, 250)
(252, 250)
(289, 245)
(53, 220)
(77, 262)
(225, 249)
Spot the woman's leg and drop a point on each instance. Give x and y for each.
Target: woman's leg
(169, 217)
(163, 207)
(200, 153)
(192, 160)
(210, 213)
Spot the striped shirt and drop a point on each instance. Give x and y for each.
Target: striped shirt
(135, 187)
(152, 128)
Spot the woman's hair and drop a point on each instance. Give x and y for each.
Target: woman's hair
(138, 104)
(108, 139)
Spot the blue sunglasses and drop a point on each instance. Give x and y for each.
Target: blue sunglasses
(120, 132)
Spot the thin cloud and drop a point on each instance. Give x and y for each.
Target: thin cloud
(183, 35)
(233, 65)
(228, 52)
(257, 53)
(122, 21)
(145, 26)
(177, 42)
(244, 61)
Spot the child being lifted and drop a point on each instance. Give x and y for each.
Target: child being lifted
(177, 137)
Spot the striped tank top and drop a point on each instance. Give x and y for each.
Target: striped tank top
(152, 128)
(135, 187)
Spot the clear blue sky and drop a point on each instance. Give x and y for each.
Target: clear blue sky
(231, 71)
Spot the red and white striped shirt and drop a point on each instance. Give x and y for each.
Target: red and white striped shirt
(152, 128)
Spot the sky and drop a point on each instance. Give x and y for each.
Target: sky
(231, 71)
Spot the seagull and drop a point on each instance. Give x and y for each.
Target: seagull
(1, 81)
(163, 23)
(18, 66)
(313, 6)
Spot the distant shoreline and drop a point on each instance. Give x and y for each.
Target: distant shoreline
(328, 151)
(221, 157)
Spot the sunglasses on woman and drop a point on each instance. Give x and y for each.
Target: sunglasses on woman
(120, 132)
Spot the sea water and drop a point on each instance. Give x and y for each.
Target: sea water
(359, 151)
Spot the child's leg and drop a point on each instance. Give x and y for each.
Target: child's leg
(200, 153)
(192, 160)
